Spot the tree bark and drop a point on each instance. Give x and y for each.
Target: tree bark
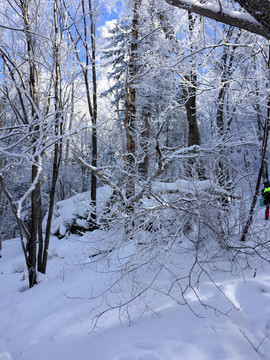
(92, 103)
(94, 117)
(36, 195)
(227, 60)
(259, 10)
(190, 93)
(255, 23)
(57, 147)
(130, 107)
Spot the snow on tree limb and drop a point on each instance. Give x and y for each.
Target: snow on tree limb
(101, 174)
(240, 19)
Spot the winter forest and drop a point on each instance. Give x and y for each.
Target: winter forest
(134, 135)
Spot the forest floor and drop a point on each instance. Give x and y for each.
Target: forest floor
(54, 320)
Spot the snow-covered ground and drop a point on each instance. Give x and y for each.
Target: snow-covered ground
(54, 320)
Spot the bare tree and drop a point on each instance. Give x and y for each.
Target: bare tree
(33, 122)
(87, 39)
(58, 129)
(38, 111)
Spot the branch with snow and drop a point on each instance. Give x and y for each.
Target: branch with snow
(31, 188)
(215, 11)
(101, 174)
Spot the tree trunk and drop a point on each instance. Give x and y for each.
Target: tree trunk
(130, 108)
(35, 196)
(145, 141)
(92, 103)
(57, 147)
(94, 118)
(227, 69)
(32, 243)
(2, 124)
(190, 93)
(260, 173)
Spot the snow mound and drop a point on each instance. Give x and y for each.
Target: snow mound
(75, 210)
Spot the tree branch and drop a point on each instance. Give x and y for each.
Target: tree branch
(231, 17)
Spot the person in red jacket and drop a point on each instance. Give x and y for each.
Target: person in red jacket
(266, 198)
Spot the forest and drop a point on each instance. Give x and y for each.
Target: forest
(153, 117)
(140, 129)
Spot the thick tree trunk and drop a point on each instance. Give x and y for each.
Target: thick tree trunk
(130, 108)
(227, 60)
(190, 93)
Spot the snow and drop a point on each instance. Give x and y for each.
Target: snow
(215, 8)
(75, 209)
(54, 320)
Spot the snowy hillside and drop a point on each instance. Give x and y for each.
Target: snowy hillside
(142, 129)
(66, 315)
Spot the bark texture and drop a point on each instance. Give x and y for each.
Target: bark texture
(257, 23)
(260, 10)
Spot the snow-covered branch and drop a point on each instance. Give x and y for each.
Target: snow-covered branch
(31, 188)
(215, 11)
